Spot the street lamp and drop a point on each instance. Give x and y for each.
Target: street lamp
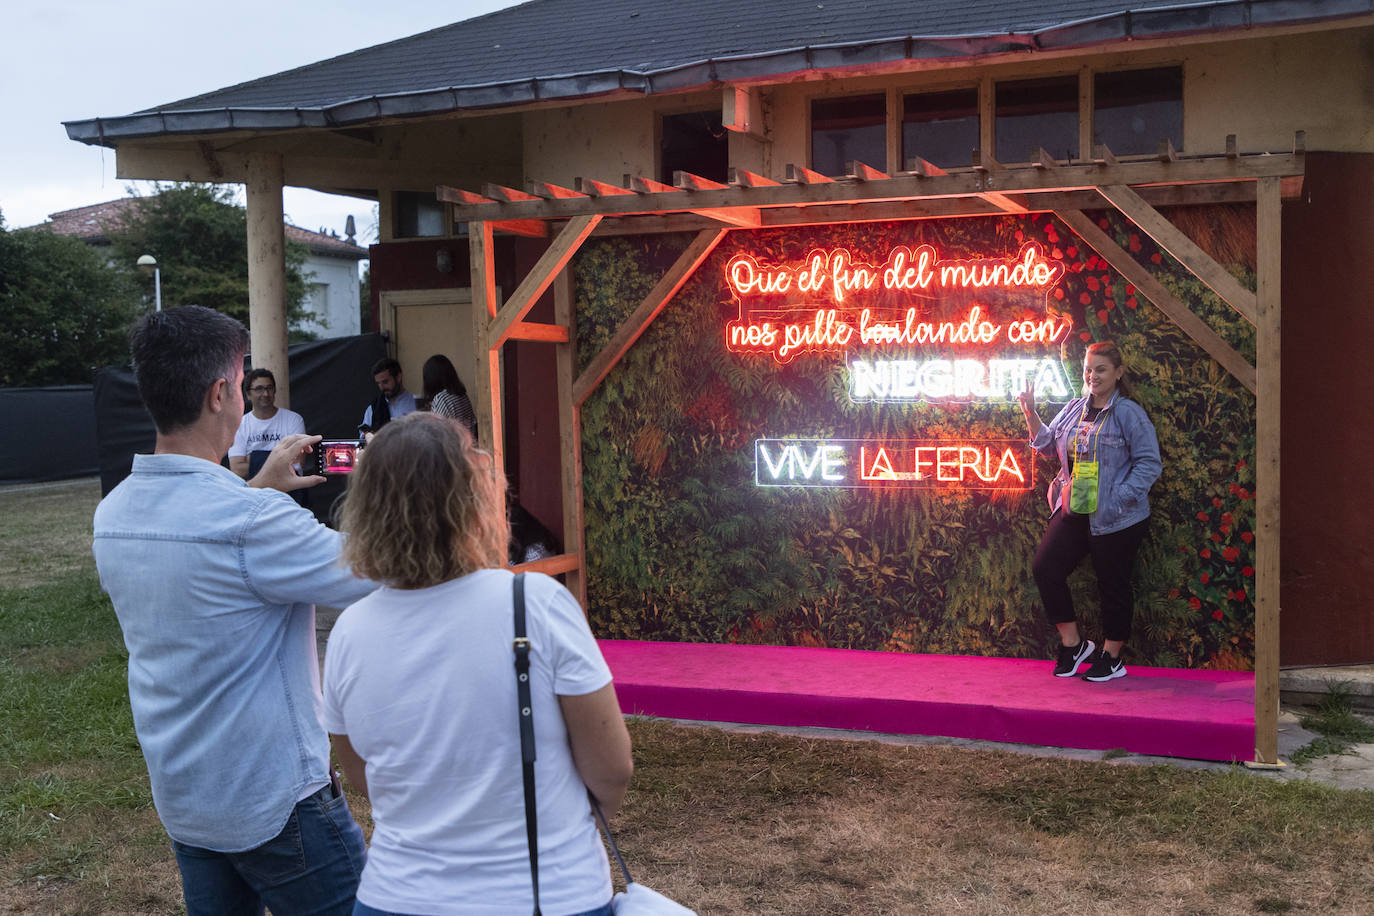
(148, 264)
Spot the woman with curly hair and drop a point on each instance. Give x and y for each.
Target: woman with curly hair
(420, 694)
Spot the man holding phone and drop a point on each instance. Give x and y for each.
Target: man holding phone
(213, 581)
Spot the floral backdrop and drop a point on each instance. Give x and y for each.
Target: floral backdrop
(683, 546)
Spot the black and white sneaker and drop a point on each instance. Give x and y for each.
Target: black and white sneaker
(1070, 657)
(1105, 668)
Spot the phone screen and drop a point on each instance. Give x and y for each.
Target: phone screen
(337, 457)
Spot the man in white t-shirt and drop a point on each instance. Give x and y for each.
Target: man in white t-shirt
(265, 425)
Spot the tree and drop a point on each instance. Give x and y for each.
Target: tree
(199, 235)
(66, 312)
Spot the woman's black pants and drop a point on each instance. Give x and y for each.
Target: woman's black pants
(1066, 542)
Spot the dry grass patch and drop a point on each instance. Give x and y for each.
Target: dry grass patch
(45, 530)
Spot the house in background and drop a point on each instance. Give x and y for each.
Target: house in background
(330, 268)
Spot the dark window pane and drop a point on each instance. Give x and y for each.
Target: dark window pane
(419, 214)
(1037, 113)
(848, 129)
(1135, 109)
(940, 127)
(695, 143)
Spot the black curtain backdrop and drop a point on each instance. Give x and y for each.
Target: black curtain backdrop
(331, 386)
(49, 434)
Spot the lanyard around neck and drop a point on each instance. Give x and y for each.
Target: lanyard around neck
(1094, 431)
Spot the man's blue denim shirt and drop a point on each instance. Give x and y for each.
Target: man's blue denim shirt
(1128, 457)
(214, 583)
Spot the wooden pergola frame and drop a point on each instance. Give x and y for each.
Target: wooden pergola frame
(924, 191)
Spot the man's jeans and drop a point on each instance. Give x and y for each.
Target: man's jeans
(311, 867)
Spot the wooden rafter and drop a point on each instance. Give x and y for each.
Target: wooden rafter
(532, 287)
(1184, 249)
(633, 326)
(807, 188)
(1152, 289)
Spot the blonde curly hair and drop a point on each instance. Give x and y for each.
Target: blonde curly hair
(424, 506)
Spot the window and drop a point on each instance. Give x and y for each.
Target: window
(848, 129)
(1134, 109)
(694, 143)
(1037, 113)
(419, 214)
(940, 127)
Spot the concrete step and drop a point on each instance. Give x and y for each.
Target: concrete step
(1307, 686)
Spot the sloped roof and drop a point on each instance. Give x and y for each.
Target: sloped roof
(92, 222)
(552, 49)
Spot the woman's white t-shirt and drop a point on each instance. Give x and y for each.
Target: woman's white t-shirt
(423, 684)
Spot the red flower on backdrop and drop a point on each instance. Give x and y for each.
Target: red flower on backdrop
(1204, 578)
(1156, 258)
(1205, 553)
(1173, 593)
(1092, 283)
(1216, 538)
(1216, 615)
(1084, 298)
(1103, 224)
(1243, 493)
(1134, 243)
(1084, 335)
(1056, 254)
(1195, 604)
(1225, 529)
(1247, 536)
(1240, 464)
(1071, 251)
(1247, 571)
(1226, 518)
(1131, 303)
(1058, 294)
(1130, 289)
(1234, 488)
(1216, 501)
(1202, 516)
(1229, 554)
(1240, 594)
(1102, 315)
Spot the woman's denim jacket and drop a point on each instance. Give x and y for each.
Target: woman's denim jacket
(1127, 455)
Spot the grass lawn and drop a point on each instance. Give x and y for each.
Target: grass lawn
(727, 821)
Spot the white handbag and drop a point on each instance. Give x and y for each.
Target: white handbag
(638, 900)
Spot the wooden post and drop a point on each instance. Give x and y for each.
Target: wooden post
(267, 270)
(1268, 250)
(570, 435)
(487, 403)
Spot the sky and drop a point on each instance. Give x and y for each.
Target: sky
(69, 60)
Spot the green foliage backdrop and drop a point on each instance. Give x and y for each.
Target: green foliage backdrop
(682, 546)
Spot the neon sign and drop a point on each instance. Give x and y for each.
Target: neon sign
(920, 380)
(930, 464)
(830, 301)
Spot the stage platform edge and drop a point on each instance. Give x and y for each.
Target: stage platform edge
(1205, 715)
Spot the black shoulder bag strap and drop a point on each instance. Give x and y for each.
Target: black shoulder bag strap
(526, 710)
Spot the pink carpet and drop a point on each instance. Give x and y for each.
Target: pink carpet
(1207, 715)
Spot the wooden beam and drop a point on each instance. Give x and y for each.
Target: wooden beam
(593, 188)
(983, 162)
(569, 433)
(525, 330)
(641, 185)
(800, 174)
(1268, 251)
(1102, 155)
(551, 566)
(743, 178)
(1041, 159)
(1232, 151)
(530, 228)
(864, 172)
(633, 326)
(1164, 300)
(560, 250)
(1218, 279)
(459, 196)
(501, 192)
(802, 192)
(741, 111)
(546, 191)
(1167, 153)
(487, 398)
(686, 181)
(922, 169)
